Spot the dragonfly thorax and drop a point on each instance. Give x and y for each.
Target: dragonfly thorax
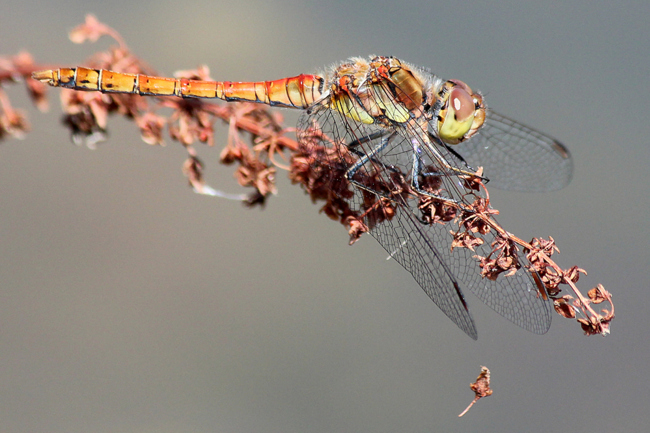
(386, 91)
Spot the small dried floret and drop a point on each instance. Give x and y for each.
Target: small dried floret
(598, 294)
(357, 228)
(465, 240)
(564, 308)
(573, 274)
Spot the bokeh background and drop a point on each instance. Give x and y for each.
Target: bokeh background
(130, 304)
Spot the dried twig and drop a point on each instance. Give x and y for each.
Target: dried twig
(481, 388)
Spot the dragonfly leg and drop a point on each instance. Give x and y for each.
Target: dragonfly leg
(364, 158)
(416, 172)
(470, 170)
(352, 147)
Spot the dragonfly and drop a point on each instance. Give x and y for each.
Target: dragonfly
(401, 137)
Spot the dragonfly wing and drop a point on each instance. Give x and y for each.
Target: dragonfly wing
(423, 249)
(402, 236)
(408, 242)
(515, 297)
(517, 158)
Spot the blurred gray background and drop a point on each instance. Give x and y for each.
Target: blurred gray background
(130, 304)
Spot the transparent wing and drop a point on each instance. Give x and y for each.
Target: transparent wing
(382, 161)
(403, 237)
(518, 158)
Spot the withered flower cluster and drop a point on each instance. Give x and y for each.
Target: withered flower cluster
(256, 144)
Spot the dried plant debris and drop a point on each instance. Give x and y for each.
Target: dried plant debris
(481, 388)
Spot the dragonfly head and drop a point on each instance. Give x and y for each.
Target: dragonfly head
(461, 112)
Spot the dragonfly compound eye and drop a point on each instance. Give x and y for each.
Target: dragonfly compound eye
(462, 113)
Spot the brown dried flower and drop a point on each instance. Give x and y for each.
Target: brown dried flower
(481, 388)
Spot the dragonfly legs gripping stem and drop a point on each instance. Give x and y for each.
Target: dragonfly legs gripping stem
(416, 165)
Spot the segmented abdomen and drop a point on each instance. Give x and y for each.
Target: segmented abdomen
(293, 92)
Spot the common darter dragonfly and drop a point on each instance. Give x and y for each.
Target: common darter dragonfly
(400, 148)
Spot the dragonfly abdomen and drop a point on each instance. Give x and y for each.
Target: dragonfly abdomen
(293, 92)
